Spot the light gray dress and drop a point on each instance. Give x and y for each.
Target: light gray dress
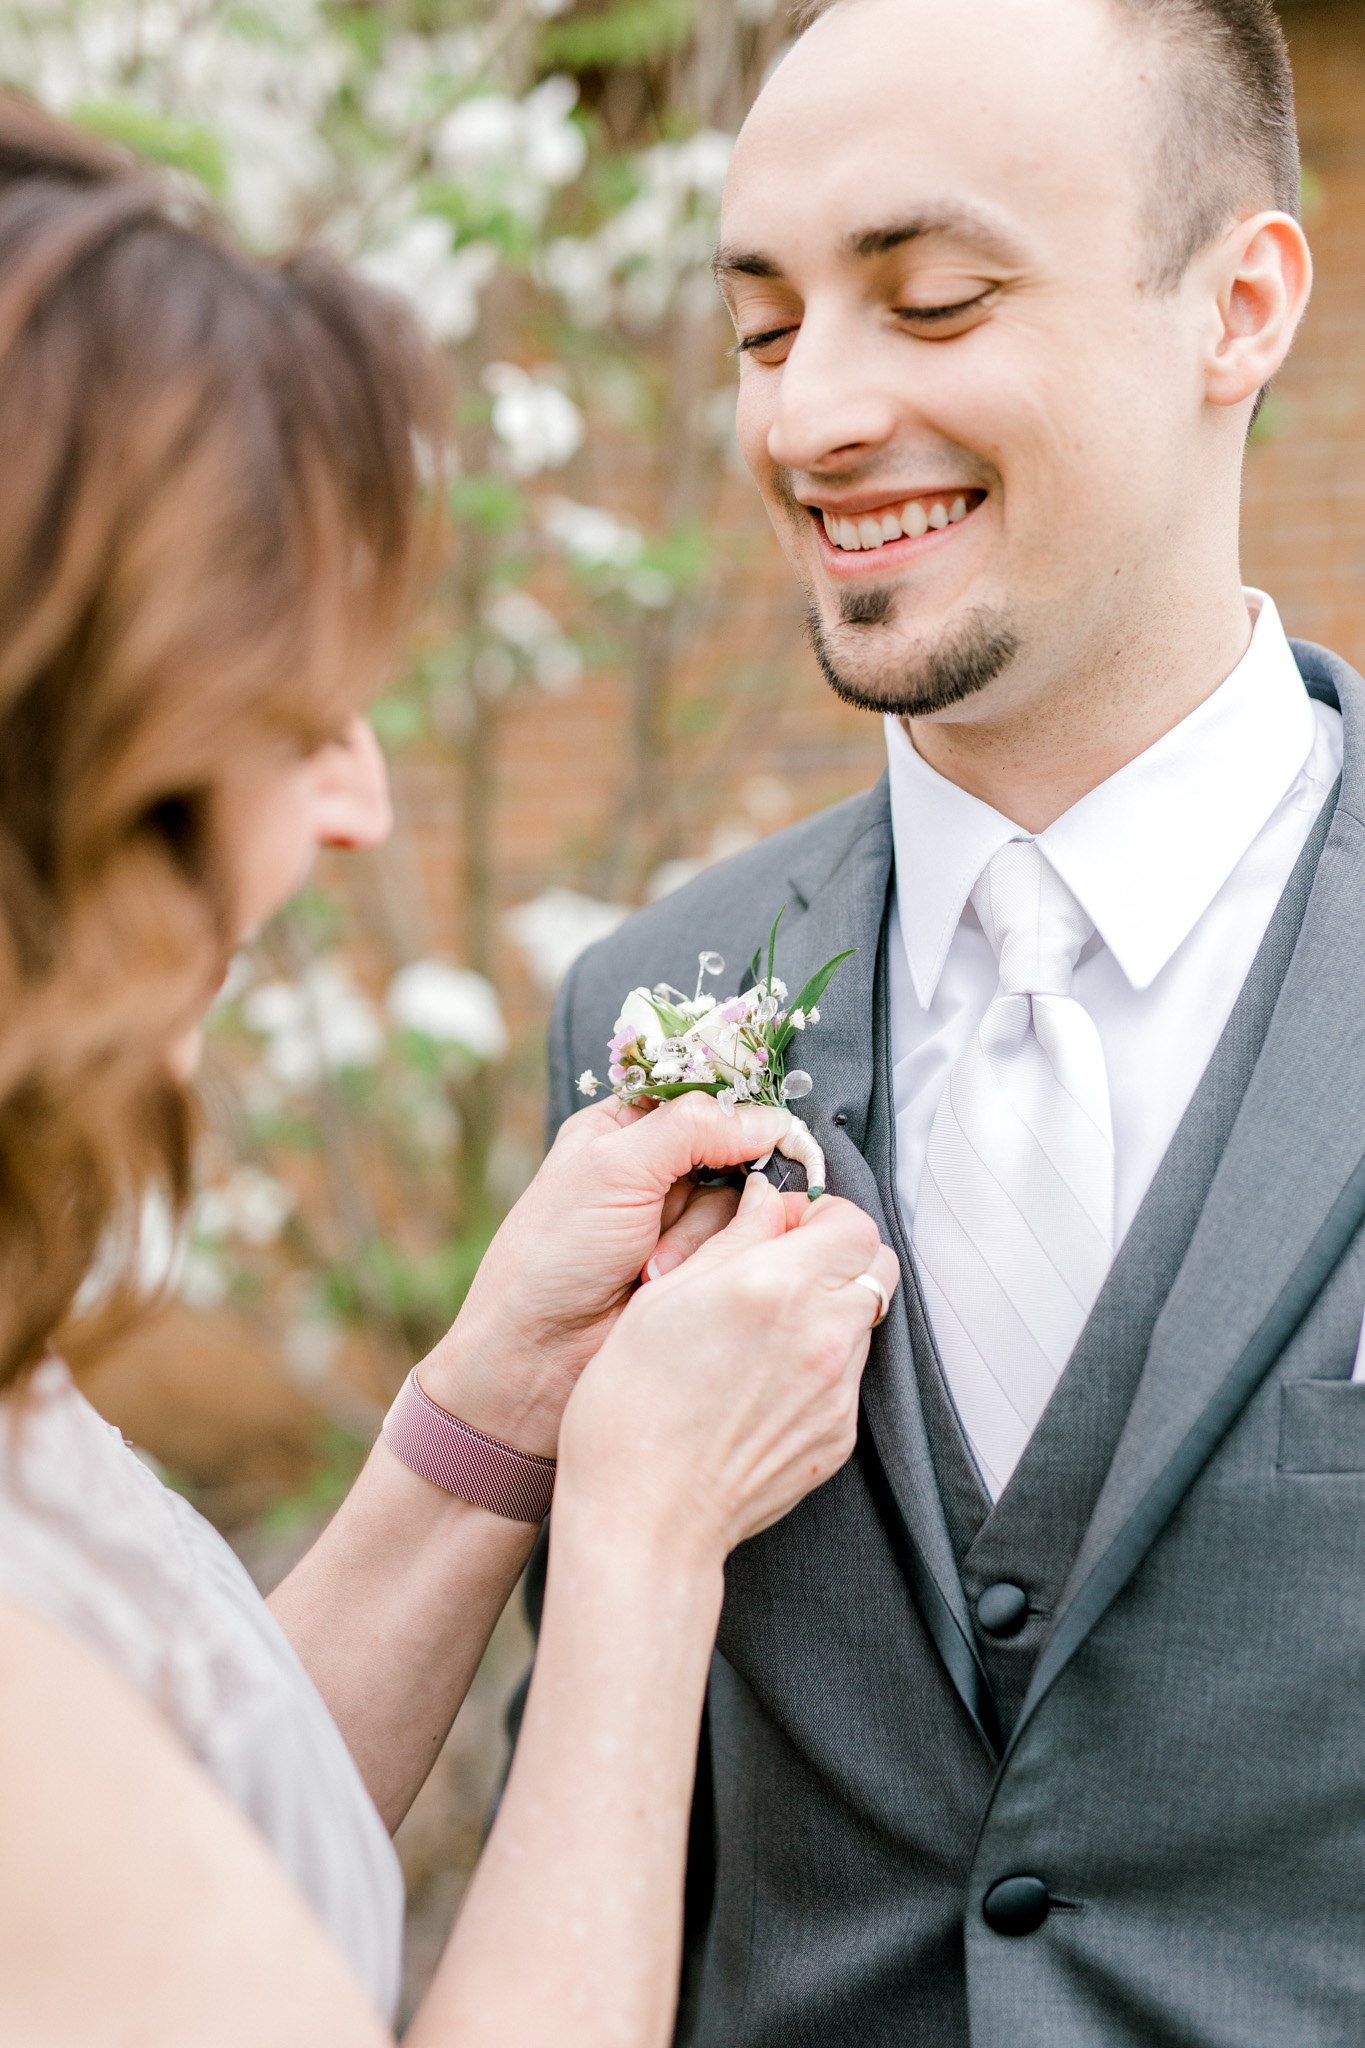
(91, 1540)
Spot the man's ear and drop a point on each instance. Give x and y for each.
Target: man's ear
(1263, 277)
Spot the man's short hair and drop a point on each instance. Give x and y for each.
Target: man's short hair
(1228, 138)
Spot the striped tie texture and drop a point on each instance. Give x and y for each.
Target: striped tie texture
(1014, 1222)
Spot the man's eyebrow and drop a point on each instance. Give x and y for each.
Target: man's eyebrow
(963, 223)
(743, 263)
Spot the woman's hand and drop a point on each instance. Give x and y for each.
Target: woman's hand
(729, 1390)
(614, 1192)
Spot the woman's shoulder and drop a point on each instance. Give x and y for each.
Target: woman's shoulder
(116, 1849)
(88, 1534)
(92, 1541)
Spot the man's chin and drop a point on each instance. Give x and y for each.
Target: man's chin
(866, 664)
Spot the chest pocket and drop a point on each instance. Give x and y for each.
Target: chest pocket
(1322, 1426)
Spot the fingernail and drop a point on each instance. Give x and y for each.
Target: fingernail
(661, 1263)
(755, 1191)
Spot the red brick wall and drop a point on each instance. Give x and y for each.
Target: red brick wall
(1305, 498)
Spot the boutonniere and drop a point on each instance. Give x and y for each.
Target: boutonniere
(735, 1048)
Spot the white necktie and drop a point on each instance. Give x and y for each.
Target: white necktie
(1014, 1223)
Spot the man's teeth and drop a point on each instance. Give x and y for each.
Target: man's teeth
(912, 522)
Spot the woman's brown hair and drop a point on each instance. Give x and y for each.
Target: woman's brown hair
(212, 521)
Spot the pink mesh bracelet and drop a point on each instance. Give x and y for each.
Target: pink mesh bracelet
(433, 1443)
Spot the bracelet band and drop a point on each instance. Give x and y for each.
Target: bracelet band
(437, 1446)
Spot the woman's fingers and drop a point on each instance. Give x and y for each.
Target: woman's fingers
(704, 1212)
(665, 1146)
(884, 1270)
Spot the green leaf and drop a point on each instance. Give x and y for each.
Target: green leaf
(630, 33)
(673, 1021)
(772, 946)
(667, 1090)
(812, 992)
(182, 145)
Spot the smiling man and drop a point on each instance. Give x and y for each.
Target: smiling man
(1042, 1723)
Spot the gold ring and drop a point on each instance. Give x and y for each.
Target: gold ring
(874, 1286)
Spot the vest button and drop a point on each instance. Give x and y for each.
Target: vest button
(1016, 1905)
(1002, 1610)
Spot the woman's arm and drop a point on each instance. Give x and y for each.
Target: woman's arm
(392, 1608)
(709, 1412)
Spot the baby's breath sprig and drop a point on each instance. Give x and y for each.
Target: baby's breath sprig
(735, 1048)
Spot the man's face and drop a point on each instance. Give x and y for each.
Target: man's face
(975, 423)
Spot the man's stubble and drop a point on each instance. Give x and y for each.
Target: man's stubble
(908, 681)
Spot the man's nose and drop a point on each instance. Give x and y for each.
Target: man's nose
(833, 408)
(354, 806)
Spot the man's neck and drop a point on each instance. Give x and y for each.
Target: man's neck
(1042, 743)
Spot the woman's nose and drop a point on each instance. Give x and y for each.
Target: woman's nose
(354, 808)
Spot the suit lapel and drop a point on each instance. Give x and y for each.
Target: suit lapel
(1282, 1207)
(838, 908)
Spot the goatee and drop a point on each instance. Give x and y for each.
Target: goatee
(916, 681)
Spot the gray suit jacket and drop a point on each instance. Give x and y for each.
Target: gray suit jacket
(1178, 1751)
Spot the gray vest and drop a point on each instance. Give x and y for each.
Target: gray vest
(1029, 1540)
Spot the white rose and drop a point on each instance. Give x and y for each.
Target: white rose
(640, 1018)
(729, 1053)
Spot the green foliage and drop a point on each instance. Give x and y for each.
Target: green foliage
(632, 32)
(1271, 421)
(481, 217)
(426, 1290)
(180, 145)
(322, 918)
(490, 502)
(340, 1456)
(399, 718)
(684, 556)
(1312, 192)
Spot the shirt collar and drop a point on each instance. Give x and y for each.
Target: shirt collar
(1147, 851)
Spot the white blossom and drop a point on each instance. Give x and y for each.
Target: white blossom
(521, 149)
(722, 1037)
(452, 1005)
(317, 1025)
(258, 83)
(526, 625)
(311, 1347)
(554, 928)
(250, 1204)
(640, 1020)
(538, 424)
(416, 75)
(637, 260)
(591, 537)
(441, 282)
(588, 1083)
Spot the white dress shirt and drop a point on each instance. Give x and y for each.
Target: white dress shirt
(1179, 861)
